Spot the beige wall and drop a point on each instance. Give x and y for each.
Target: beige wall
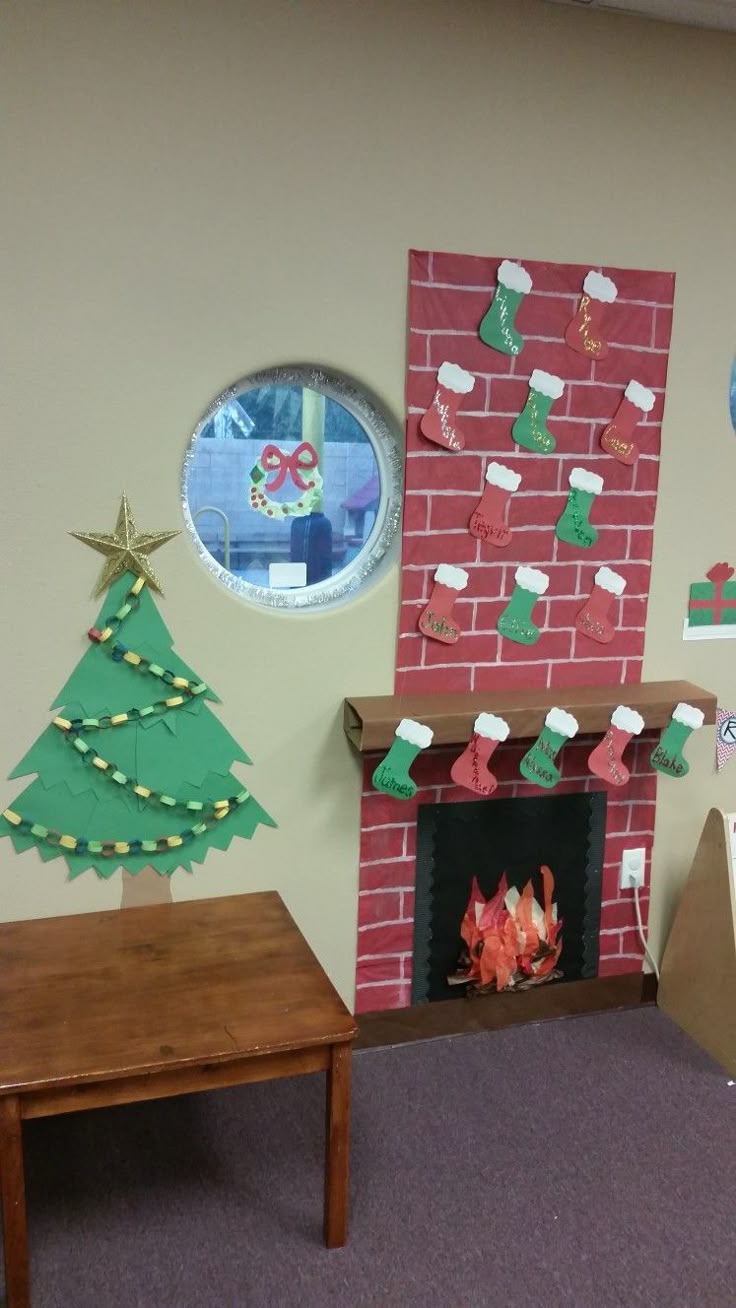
(198, 188)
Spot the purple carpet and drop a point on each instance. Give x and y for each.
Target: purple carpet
(586, 1163)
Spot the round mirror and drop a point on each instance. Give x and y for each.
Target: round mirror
(291, 487)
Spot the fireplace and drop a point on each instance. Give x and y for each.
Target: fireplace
(388, 862)
(482, 841)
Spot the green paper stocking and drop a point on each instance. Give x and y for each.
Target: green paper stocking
(538, 764)
(515, 622)
(573, 526)
(530, 428)
(392, 774)
(667, 755)
(497, 326)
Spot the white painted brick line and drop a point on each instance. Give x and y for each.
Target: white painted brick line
(384, 890)
(484, 599)
(511, 452)
(575, 381)
(376, 926)
(528, 526)
(366, 958)
(523, 663)
(573, 297)
(579, 381)
(381, 862)
(387, 826)
(614, 903)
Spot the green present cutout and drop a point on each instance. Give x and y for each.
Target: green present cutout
(712, 603)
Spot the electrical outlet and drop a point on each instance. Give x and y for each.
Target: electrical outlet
(633, 866)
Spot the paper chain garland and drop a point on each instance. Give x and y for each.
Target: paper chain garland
(212, 811)
(275, 461)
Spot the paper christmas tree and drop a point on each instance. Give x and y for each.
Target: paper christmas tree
(135, 770)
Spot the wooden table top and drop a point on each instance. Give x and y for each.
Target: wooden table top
(105, 995)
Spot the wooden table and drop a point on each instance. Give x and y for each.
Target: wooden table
(111, 1008)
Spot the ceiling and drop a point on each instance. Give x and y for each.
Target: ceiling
(719, 14)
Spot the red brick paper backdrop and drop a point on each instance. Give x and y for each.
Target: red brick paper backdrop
(448, 296)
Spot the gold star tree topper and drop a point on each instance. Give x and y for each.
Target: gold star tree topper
(127, 549)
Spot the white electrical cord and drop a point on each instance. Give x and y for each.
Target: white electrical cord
(642, 936)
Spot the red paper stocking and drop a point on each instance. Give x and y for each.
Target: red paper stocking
(489, 519)
(584, 332)
(439, 423)
(594, 618)
(471, 769)
(436, 620)
(617, 437)
(606, 760)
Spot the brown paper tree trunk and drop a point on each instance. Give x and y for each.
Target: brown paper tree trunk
(148, 887)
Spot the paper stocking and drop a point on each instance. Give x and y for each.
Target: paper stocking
(489, 519)
(538, 764)
(530, 428)
(594, 618)
(573, 526)
(471, 769)
(439, 423)
(392, 774)
(617, 437)
(584, 334)
(515, 622)
(436, 619)
(497, 326)
(667, 755)
(606, 760)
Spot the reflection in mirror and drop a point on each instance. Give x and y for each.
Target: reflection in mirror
(290, 486)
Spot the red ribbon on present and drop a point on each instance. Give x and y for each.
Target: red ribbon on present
(278, 462)
(718, 574)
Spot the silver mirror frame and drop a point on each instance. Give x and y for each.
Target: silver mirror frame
(382, 432)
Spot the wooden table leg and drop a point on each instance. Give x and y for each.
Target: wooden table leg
(12, 1192)
(337, 1146)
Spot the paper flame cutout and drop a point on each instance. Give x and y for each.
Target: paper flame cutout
(510, 941)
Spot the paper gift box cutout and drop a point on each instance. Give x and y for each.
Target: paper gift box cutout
(711, 610)
(713, 602)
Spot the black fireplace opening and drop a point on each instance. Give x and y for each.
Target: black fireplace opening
(490, 837)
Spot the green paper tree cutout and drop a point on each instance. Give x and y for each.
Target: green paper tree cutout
(184, 752)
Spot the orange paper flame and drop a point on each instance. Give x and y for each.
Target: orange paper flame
(511, 939)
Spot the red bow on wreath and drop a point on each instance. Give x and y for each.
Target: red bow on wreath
(278, 462)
